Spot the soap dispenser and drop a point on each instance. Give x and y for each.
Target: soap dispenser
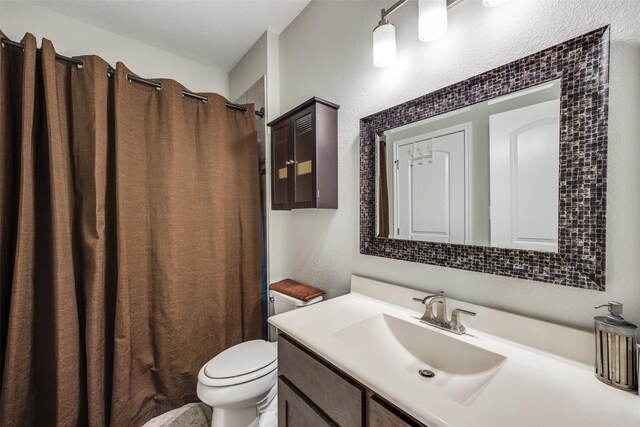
(616, 361)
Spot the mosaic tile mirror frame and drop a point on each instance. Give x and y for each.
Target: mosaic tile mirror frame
(582, 64)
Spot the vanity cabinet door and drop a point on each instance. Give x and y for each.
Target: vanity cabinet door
(332, 392)
(294, 410)
(381, 414)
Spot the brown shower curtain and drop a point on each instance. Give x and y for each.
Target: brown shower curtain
(130, 240)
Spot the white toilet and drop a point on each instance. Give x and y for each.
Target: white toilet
(240, 383)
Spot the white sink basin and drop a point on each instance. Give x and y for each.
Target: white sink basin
(402, 348)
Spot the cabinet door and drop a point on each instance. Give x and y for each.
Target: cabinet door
(281, 168)
(304, 159)
(294, 410)
(332, 392)
(382, 414)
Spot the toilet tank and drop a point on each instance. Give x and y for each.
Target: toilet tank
(283, 303)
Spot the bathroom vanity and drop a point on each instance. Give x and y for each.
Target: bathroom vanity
(356, 360)
(314, 392)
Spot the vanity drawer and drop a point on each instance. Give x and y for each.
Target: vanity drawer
(338, 397)
(295, 410)
(383, 414)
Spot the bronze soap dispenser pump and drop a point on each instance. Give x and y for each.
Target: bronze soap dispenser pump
(616, 361)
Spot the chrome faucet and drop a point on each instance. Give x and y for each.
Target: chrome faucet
(429, 301)
(439, 320)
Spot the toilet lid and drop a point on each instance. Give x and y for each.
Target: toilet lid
(241, 359)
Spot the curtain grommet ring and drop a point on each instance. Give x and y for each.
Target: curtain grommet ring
(196, 96)
(132, 78)
(80, 65)
(5, 41)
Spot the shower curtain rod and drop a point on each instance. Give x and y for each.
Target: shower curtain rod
(77, 62)
(132, 78)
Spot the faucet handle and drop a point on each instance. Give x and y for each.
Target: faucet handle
(456, 313)
(455, 325)
(428, 314)
(423, 300)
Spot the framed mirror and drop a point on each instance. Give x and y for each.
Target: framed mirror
(504, 173)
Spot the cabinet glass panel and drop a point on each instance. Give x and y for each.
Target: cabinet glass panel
(281, 170)
(303, 139)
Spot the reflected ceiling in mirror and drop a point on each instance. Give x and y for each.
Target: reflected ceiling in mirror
(527, 243)
(486, 174)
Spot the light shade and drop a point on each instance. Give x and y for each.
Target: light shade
(384, 45)
(432, 15)
(492, 3)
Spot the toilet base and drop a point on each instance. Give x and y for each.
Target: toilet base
(246, 417)
(243, 413)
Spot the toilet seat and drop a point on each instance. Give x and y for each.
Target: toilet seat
(240, 364)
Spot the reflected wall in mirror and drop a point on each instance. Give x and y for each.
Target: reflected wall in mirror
(485, 175)
(503, 173)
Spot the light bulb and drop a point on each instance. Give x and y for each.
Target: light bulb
(493, 3)
(384, 44)
(432, 15)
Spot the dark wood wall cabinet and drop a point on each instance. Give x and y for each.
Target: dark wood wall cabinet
(312, 392)
(304, 157)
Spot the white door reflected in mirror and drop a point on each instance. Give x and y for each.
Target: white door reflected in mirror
(430, 187)
(524, 177)
(483, 175)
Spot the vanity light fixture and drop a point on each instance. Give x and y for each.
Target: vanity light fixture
(384, 44)
(432, 25)
(432, 19)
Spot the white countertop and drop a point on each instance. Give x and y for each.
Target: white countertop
(546, 379)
